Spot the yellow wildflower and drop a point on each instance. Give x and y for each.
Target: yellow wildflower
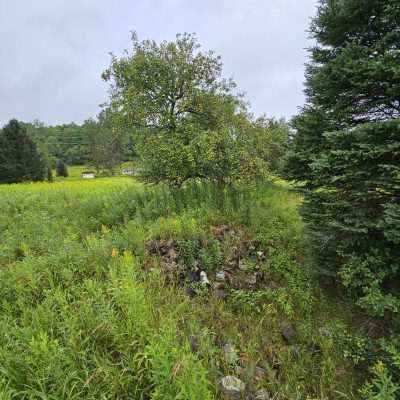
(379, 367)
(114, 253)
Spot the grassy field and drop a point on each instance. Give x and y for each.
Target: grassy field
(74, 172)
(101, 298)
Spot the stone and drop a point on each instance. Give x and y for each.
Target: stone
(194, 343)
(242, 265)
(220, 276)
(181, 277)
(252, 280)
(171, 266)
(262, 394)
(162, 248)
(288, 333)
(204, 279)
(219, 285)
(259, 374)
(152, 246)
(193, 276)
(232, 263)
(170, 243)
(172, 254)
(232, 387)
(221, 294)
(324, 331)
(230, 354)
(253, 258)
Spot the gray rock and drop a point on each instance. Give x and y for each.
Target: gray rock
(252, 280)
(193, 276)
(194, 343)
(220, 276)
(172, 254)
(204, 279)
(219, 285)
(242, 265)
(259, 374)
(233, 263)
(171, 266)
(288, 333)
(254, 258)
(262, 394)
(324, 331)
(230, 354)
(232, 387)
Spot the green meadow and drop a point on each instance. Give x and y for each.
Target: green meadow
(98, 298)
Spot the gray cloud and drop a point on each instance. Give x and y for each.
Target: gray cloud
(52, 52)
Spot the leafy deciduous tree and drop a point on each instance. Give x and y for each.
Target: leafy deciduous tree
(192, 124)
(106, 145)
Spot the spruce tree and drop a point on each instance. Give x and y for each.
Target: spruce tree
(347, 147)
(19, 158)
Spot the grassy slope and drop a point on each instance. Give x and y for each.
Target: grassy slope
(86, 312)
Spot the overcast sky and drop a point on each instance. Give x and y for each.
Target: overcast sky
(52, 52)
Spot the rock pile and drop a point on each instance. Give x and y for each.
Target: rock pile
(240, 269)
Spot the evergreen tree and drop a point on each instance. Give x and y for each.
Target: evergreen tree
(19, 158)
(61, 168)
(347, 147)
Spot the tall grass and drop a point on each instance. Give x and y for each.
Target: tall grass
(85, 311)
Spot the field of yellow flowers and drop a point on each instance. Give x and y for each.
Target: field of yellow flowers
(110, 290)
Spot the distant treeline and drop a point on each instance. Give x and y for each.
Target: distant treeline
(74, 144)
(69, 142)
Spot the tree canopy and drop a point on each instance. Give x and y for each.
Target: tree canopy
(190, 122)
(168, 85)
